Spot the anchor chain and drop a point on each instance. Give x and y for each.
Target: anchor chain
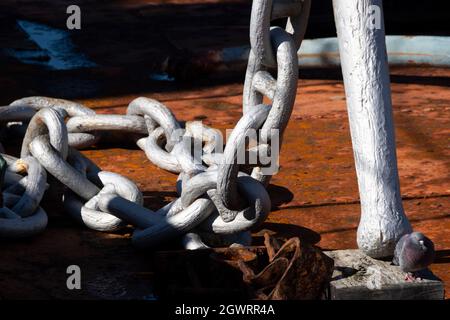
(219, 201)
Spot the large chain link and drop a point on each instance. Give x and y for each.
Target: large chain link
(218, 203)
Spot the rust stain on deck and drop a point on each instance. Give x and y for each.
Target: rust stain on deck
(315, 192)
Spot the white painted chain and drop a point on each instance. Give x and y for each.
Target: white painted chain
(218, 203)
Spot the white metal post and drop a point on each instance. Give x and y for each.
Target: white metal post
(361, 36)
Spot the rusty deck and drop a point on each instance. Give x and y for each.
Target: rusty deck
(314, 195)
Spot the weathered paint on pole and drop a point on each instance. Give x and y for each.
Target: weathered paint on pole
(367, 86)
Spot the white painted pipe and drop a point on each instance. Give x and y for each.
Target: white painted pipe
(366, 78)
(324, 52)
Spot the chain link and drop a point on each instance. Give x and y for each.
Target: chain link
(218, 202)
(20, 215)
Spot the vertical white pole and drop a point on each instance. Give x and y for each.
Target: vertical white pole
(361, 36)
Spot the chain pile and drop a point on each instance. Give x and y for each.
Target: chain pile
(218, 203)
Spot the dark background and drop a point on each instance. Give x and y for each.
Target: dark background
(130, 39)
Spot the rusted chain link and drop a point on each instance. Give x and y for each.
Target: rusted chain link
(218, 202)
